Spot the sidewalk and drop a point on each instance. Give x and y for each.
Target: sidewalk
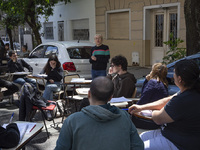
(40, 142)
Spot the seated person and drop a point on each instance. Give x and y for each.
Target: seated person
(178, 115)
(11, 88)
(25, 52)
(54, 73)
(100, 125)
(124, 82)
(10, 136)
(17, 65)
(155, 85)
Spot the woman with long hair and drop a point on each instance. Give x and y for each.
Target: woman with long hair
(54, 73)
(155, 85)
(179, 115)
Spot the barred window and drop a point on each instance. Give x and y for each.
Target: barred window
(48, 30)
(159, 30)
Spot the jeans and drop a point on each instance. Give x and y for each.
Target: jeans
(96, 73)
(21, 81)
(154, 140)
(49, 89)
(11, 87)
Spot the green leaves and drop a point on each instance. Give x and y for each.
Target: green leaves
(174, 53)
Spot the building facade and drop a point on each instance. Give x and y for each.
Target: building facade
(133, 28)
(138, 28)
(73, 21)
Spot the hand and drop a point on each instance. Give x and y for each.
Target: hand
(52, 64)
(148, 77)
(110, 71)
(134, 109)
(14, 59)
(93, 58)
(51, 81)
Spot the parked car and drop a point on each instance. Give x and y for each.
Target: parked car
(172, 88)
(74, 56)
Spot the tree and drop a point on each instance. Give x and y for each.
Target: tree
(31, 10)
(192, 19)
(10, 22)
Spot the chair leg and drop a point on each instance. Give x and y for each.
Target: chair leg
(43, 118)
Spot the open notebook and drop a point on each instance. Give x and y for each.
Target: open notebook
(23, 128)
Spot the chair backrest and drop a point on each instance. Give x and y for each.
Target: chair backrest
(134, 93)
(69, 77)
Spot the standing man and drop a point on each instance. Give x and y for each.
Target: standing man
(100, 56)
(99, 126)
(18, 65)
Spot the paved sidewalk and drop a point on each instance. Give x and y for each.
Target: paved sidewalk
(40, 142)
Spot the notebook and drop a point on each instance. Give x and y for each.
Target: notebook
(22, 129)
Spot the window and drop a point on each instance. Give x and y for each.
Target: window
(159, 30)
(38, 53)
(50, 50)
(80, 29)
(173, 25)
(48, 30)
(79, 52)
(118, 25)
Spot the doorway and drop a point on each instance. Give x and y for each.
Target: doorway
(164, 22)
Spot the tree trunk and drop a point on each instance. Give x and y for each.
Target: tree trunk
(10, 37)
(192, 20)
(32, 22)
(35, 29)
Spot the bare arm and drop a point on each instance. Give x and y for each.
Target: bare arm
(161, 117)
(157, 105)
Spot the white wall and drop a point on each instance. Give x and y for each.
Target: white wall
(77, 9)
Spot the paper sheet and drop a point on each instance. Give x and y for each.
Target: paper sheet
(119, 99)
(146, 113)
(22, 129)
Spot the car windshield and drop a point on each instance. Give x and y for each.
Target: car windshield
(79, 52)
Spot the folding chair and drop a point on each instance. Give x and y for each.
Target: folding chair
(50, 108)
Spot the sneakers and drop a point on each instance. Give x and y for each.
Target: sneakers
(49, 116)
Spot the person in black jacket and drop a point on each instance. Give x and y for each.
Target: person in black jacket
(18, 65)
(100, 56)
(54, 77)
(11, 88)
(10, 136)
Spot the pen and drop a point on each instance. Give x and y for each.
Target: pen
(32, 128)
(11, 117)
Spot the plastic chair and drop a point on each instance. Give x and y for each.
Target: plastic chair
(50, 108)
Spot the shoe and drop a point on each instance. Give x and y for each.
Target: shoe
(49, 116)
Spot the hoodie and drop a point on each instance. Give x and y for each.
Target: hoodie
(124, 85)
(102, 127)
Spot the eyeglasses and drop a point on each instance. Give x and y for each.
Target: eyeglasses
(112, 66)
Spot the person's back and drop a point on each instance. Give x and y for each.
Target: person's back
(155, 85)
(99, 126)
